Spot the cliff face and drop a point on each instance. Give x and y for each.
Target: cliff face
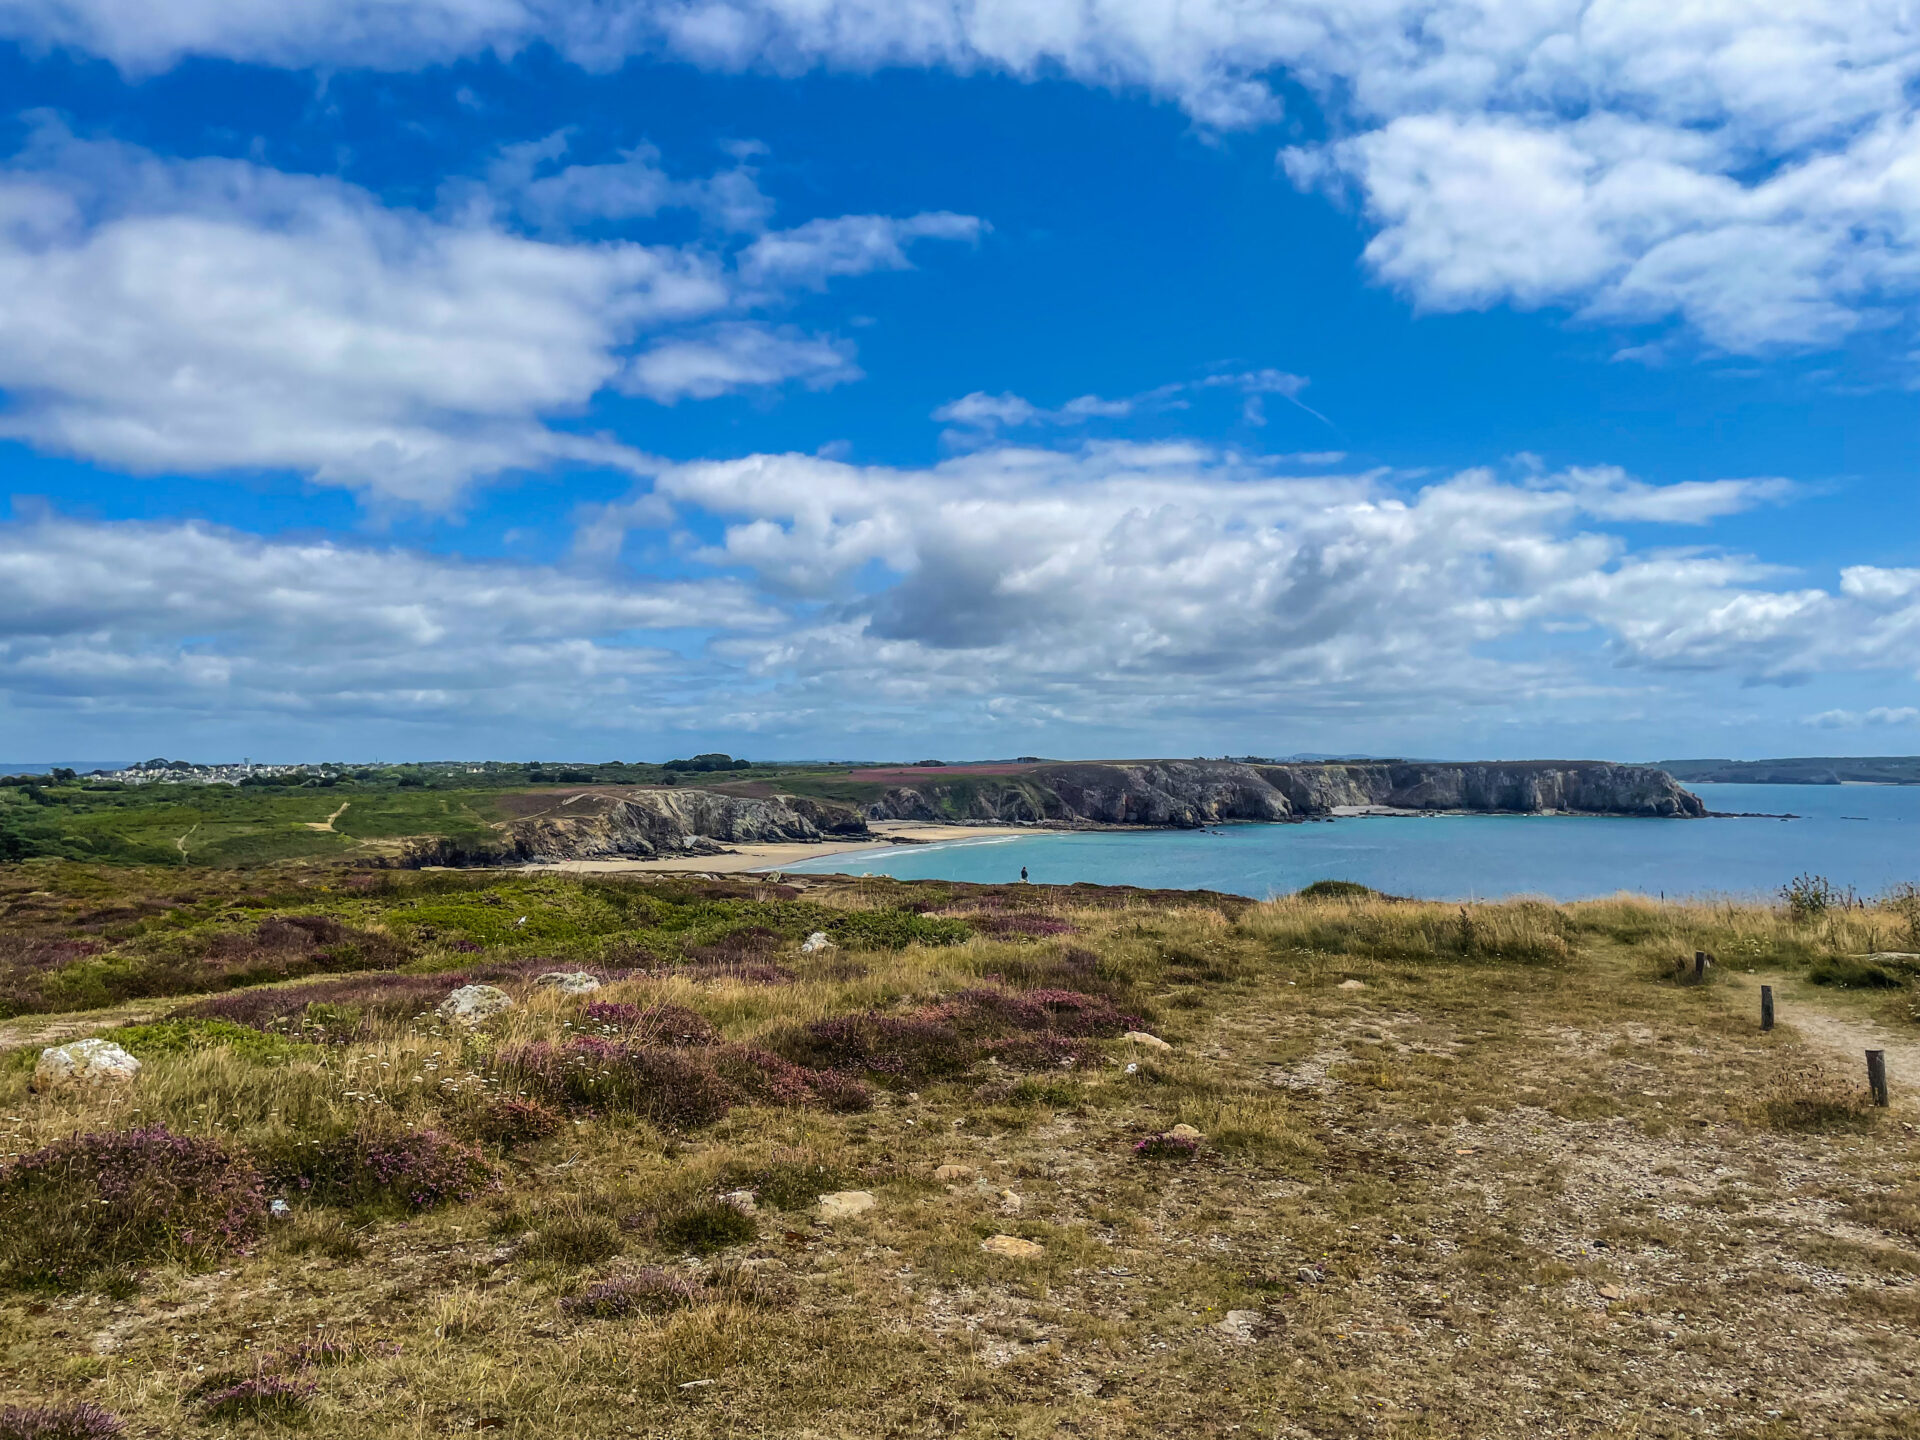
(1185, 794)
(1178, 794)
(1524, 787)
(650, 823)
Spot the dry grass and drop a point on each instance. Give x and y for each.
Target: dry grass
(1510, 1185)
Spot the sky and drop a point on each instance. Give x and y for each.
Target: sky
(958, 378)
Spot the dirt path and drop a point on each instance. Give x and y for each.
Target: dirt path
(181, 843)
(326, 825)
(1845, 1037)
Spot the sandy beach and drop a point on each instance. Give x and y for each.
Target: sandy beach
(740, 858)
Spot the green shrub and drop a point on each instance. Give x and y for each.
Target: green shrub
(182, 1037)
(704, 1227)
(574, 1240)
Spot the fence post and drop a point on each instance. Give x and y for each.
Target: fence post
(1699, 967)
(1766, 1007)
(1877, 1076)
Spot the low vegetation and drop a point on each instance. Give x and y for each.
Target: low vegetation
(1000, 1161)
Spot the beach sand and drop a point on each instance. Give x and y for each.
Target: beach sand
(741, 858)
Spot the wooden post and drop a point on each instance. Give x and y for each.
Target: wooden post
(1699, 967)
(1766, 1007)
(1877, 1076)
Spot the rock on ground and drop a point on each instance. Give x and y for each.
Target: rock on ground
(816, 941)
(84, 1062)
(843, 1205)
(948, 1174)
(1141, 1037)
(1012, 1247)
(569, 982)
(471, 1004)
(1242, 1327)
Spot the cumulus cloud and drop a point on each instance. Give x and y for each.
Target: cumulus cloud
(210, 315)
(1742, 167)
(191, 619)
(1130, 574)
(1109, 586)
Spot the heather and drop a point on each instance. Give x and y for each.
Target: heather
(946, 1187)
(380, 1165)
(94, 1202)
(79, 1420)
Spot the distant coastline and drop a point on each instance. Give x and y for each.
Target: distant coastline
(1799, 770)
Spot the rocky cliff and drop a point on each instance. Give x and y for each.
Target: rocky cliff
(1179, 794)
(644, 824)
(1184, 794)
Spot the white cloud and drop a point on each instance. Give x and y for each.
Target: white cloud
(1861, 719)
(213, 315)
(556, 198)
(737, 357)
(821, 250)
(1135, 588)
(1745, 167)
(187, 618)
(979, 417)
(1127, 575)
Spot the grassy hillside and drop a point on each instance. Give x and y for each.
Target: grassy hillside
(1405, 1169)
(229, 825)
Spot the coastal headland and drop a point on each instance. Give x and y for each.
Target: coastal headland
(754, 824)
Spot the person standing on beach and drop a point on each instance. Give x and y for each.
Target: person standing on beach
(1023, 873)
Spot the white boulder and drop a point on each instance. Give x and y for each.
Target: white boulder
(816, 941)
(84, 1062)
(569, 982)
(471, 1004)
(843, 1205)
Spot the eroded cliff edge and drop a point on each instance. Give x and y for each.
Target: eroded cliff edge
(1178, 794)
(1189, 793)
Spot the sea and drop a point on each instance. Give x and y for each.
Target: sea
(1862, 836)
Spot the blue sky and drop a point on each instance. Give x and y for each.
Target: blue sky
(542, 379)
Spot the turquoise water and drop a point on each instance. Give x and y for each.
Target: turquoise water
(1867, 836)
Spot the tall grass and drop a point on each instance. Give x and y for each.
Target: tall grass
(1514, 932)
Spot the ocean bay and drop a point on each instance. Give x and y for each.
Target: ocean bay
(1864, 836)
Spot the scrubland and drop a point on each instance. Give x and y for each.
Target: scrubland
(1493, 1170)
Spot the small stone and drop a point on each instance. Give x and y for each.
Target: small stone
(1609, 1292)
(1353, 985)
(1010, 1203)
(471, 1004)
(1185, 1132)
(569, 982)
(1012, 1247)
(84, 1062)
(843, 1205)
(1308, 1275)
(741, 1200)
(279, 1209)
(816, 941)
(1141, 1037)
(952, 1174)
(1243, 1327)
(1132, 1068)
